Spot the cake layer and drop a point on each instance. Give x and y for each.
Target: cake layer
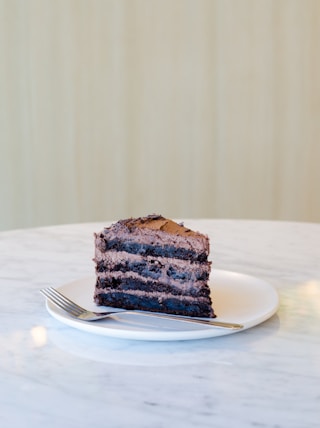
(148, 236)
(165, 269)
(155, 302)
(153, 250)
(154, 270)
(132, 281)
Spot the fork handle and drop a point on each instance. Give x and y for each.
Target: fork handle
(219, 324)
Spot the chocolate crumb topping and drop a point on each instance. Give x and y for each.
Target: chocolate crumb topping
(157, 222)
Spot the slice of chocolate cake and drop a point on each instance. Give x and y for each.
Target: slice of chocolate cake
(153, 264)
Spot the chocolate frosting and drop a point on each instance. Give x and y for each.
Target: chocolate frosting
(157, 222)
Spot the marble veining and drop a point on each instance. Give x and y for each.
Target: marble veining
(268, 376)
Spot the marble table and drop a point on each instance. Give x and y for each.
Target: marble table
(268, 376)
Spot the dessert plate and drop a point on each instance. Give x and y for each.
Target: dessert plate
(237, 297)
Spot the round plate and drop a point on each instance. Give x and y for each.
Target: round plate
(237, 298)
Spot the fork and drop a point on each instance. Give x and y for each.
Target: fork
(80, 313)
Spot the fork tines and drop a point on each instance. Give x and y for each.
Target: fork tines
(62, 301)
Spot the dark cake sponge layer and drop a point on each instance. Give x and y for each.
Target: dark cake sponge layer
(167, 251)
(152, 270)
(170, 305)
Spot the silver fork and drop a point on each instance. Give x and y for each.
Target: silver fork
(80, 313)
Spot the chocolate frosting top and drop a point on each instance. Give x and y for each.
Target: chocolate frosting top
(157, 222)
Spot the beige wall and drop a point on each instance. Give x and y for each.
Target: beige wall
(194, 108)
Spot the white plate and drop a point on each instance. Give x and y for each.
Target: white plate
(236, 298)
